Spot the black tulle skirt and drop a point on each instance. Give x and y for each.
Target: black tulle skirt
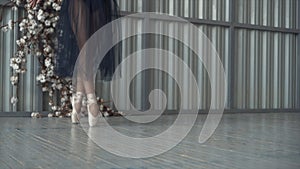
(79, 20)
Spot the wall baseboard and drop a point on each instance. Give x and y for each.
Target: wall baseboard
(169, 112)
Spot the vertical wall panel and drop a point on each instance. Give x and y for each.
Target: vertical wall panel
(298, 58)
(1, 67)
(6, 52)
(276, 72)
(200, 9)
(131, 5)
(277, 13)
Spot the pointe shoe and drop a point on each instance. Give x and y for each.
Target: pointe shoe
(76, 99)
(91, 100)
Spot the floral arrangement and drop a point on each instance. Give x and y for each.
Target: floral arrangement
(39, 38)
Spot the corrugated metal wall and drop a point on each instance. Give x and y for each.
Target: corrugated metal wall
(265, 67)
(275, 13)
(257, 41)
(29, 94)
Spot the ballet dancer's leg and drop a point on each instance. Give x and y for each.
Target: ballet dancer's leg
(77, 98)
(79, 15)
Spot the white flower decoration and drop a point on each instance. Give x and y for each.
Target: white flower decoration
(41, 15)
(10, 24)
(14, 79)
(22, 41)
(38, 53)
(50, 115)
(14, 100)
(5, 29)
(56, 6)
(41, 78)
(58, 113)
(47, 23)
(44, 89)
(38, 30)
(30, 16)
(15, 66)
(20, 53)
(18, 60)
(47, 62)
(14, 8)
(48, 49)
(59, 86)
(18, 2)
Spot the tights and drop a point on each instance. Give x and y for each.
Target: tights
(84, 22)
(86, 18)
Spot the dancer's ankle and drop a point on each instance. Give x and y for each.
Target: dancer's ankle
(92, 104)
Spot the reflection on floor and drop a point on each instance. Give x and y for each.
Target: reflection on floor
(258, 141)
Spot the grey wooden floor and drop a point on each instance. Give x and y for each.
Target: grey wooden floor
(257, 141)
